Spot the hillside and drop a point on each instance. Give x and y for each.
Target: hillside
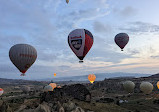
(102, 96)
(154, 76)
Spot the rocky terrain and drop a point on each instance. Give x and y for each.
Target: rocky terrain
(102, 96)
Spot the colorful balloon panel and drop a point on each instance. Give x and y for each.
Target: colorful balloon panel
(88, 42)
(1, 91)
(80, 41)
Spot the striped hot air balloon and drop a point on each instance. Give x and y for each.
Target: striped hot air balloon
(22, 56)
(80, 41)
(1, 91)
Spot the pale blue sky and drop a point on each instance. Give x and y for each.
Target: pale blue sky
(45, 24)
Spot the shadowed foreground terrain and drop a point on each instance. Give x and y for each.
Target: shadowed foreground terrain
(102, 96)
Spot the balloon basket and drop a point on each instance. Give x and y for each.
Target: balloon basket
(122, 50)
(81, 61)
(22, 74)
(91, 82)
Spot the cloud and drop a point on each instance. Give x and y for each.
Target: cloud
(140, 27)
(64, 66)
(102, 28)
(6, 67)
(154, 56)
(128, 11)
(125, 12)
(120, 65)
(133, 52)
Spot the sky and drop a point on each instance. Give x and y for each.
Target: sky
(45, 24)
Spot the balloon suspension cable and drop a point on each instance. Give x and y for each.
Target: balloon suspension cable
(22, 74)
(81, 61)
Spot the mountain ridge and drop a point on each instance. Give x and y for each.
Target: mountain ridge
(99, 76)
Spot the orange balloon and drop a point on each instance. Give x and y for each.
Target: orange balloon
(55, 74)
(53, 85)
(158, 84)
(91, 78)
(58, 86)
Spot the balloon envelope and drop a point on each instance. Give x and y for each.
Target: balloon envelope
(146, 87)
(53, 85)
(121, 40)
(55, 74)
(22, 56)
(48, 88)
(129, 86)
(80, 41)
(158, 84)
(67, 1)
(91, 78)
(25, 89)
(1, 91)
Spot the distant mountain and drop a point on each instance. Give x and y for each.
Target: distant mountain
(154, 76)
(99, 76)
(83, 78)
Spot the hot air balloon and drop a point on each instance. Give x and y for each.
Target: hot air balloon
(22, 56)
(158, 85)
(25, 89)
(80, 41)
(146, 87)
(53, 85)
(129, 86)
(55, 74)
(121, 40)
(48, 88)
(58, 86)
(1, 91)
(67, 1)
(91, 78)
